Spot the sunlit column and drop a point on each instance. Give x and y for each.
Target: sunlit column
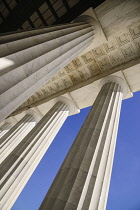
(83, 180)
(15, 135)
(30, 58)
(7, 125)
(20, 164)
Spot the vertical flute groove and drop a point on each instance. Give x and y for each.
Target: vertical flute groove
(38, 56)
(12, 138)
(20, 164)
(79, 183)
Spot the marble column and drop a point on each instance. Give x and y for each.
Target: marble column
(7, 125)
(17, 168)
(30, 58)
(82, 182)
(15, 135)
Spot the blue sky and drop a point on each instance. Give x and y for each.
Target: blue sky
(124, 191)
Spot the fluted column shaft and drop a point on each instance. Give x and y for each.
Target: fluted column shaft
(7, 125)
(31, 58)
(83, 180)
(21, 163)
(5, 128)
(15, 135)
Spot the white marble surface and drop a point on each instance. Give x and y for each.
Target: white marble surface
(6, 125)
(119, 53)
(20, 164)
(34, 65)
(16, 134)
(82, 182)
(117, 14)
(132, 76)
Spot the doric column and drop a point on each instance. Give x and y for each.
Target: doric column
(21, 163)
(7, 125)
(15, 135)
(83, 180)
(31, 58)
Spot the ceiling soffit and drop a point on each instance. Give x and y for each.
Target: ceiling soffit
(121, 51)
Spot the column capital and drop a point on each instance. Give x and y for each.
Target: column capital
(73, 109)
(35, 114)
(11, 120)
(94, 23)
(85, 18)
(116, 79)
